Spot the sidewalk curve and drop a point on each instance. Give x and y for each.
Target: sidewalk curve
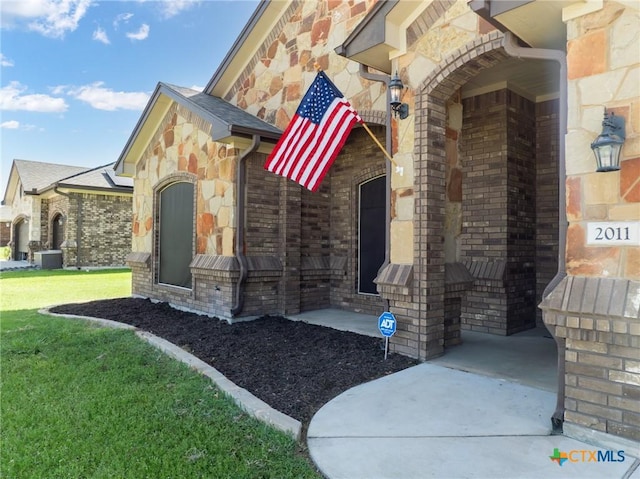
(431, 421)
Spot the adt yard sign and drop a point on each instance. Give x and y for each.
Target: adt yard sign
(387, 324)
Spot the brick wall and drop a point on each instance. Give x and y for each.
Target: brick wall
(547, 118)
(5, 233)
(498, 238)
(521, 213)
(599, 319)
(359, 161)
(484, 152)
(314, 236)
(105, 228)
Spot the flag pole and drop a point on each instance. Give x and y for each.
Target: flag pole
(399, 169)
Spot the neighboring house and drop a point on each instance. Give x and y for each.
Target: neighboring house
(488, 220)
(83, 212)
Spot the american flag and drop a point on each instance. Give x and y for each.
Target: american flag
(314, 137)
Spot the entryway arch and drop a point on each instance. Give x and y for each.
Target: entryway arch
(490, 165)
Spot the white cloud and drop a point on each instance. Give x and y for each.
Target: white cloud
(5, 62)
(51, 18)
(197, 88)
(101, 36)
(102, 98)
(58, 90)
(140, 34)
(122, 18)
(171, 8)
(16, 125)
(13, 99)
(10, 125)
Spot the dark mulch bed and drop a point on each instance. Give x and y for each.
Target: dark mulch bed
(293, 366)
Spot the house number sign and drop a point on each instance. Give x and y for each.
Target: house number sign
(614, 233)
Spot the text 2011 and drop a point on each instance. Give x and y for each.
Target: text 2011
(620, 233)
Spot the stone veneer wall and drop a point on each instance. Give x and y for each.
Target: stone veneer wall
(182, 149)
(594, 311)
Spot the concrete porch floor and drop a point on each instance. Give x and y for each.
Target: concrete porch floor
(528, 358)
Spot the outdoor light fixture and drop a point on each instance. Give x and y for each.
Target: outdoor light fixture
(395, 89)
(608, 144)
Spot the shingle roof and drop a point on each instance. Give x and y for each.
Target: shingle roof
(225, 117)
(40, 176)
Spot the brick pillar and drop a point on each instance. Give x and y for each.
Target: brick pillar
(290, 235)
(428, 285)
(499, 212)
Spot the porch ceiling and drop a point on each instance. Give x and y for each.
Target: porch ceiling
(536, 22)
(537, 80)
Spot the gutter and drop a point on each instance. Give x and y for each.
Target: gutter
(364, 73)
(512, 48)
(241, 174)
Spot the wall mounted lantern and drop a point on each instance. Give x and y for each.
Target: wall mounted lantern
(608, 144)
(395, 89)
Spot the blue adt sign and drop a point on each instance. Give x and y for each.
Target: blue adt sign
(387, 324)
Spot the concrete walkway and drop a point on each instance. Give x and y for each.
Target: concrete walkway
(8, 265)
(439, 419)
(431, 421)
(482, 410)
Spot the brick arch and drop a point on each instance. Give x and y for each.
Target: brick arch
(430, 182)
(374, 117)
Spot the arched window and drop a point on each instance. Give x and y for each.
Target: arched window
(175, 238)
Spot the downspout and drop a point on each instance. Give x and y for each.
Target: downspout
(364, 73)
(78, 222)
(241, 174)
(513, 49)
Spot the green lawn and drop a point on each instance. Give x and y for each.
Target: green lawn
(85, 402)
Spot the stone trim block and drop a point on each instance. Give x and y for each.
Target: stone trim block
(594, 296)
(457, 277)
(139, 260)
(214, 262)
(489, 270)
(335, 265)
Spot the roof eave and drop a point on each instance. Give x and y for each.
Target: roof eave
(267, 13)
(156, 109)
(133, 143)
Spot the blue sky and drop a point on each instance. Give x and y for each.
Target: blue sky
(76, 74)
